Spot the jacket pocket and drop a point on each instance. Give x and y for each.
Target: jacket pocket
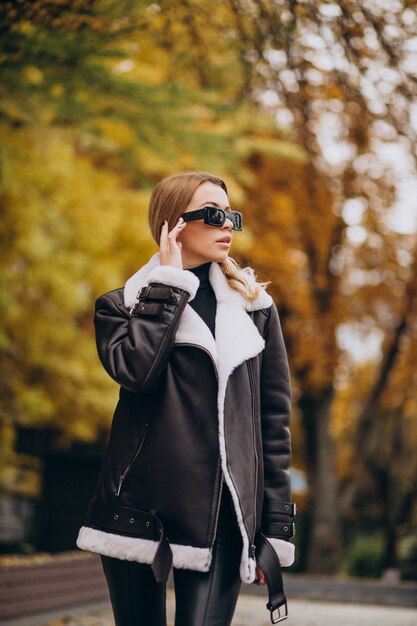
(126, 471)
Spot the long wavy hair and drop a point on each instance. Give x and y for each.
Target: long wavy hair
(168, 201)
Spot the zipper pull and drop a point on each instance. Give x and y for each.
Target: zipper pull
(252, 551)
(119, 487)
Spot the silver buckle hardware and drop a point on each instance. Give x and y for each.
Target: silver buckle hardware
(136, 302)
(279, 617)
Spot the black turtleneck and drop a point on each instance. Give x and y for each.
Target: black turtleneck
(204, 302)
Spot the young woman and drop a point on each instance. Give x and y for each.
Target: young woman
(199, 452)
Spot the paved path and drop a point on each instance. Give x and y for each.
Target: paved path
(251, 611)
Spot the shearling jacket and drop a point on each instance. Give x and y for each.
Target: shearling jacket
(195, 412)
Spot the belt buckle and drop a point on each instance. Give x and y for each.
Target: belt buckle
(136, 302)
(278, 618)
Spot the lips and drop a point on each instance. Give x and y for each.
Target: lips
(225, 240)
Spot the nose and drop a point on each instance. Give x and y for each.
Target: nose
(228, 224)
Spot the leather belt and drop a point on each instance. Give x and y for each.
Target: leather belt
(268, 561)
(132, 522)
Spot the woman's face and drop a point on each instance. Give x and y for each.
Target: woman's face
(202, 243)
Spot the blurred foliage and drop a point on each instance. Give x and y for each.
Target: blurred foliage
(297, 104)
(342, 77)
(82, 143)
(408, 557)
(364, 557)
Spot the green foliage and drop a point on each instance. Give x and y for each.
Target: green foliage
(408, 557)
(94, 67)
(364, 556)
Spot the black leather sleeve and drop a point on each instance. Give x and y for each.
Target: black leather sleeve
(134, 346)
(278, 509)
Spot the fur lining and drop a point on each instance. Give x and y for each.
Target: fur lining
(138, 280)
(153, 272)
(141, 550)
(193, 330)
(284, 549)
(175, 277)
(263, 301)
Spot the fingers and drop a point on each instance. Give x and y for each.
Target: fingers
(260, 577)
(168, 240)
(173, 234)
(170, 248)
(179, 226)
(164, 234)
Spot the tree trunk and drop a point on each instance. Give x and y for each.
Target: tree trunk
(324, 541)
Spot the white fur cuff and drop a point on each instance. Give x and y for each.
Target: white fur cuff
(141, 550)
(174, 277)
(284, 549)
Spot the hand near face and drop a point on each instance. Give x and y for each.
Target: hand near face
(170, 248)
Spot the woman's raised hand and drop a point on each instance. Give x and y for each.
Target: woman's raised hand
(170, 248)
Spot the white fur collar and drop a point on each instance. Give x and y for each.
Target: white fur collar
(232, 321)
(217, 279)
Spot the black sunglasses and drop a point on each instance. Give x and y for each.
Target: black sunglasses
(213, 216)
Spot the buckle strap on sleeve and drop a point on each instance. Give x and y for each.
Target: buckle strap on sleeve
(287, 508)
(155, 299)
(282, 529)
(161, 293)
(281, 508)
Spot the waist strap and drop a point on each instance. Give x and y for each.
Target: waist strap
(124, 520)
(268, 561)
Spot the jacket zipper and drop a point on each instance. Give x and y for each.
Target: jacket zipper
(216, 521)
(251, 548)
(129, 467)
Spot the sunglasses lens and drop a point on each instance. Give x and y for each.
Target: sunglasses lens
(236, 219)
(215, 216)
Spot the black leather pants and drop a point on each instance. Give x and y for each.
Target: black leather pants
(202, 599)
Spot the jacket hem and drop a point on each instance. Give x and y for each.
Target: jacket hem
(141, 550)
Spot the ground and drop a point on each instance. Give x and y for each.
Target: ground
(251, 611)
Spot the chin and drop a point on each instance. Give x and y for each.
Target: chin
(220, 258)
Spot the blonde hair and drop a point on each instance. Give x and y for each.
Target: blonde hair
(170, 198)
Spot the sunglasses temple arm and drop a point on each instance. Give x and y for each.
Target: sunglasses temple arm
(192, 216)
